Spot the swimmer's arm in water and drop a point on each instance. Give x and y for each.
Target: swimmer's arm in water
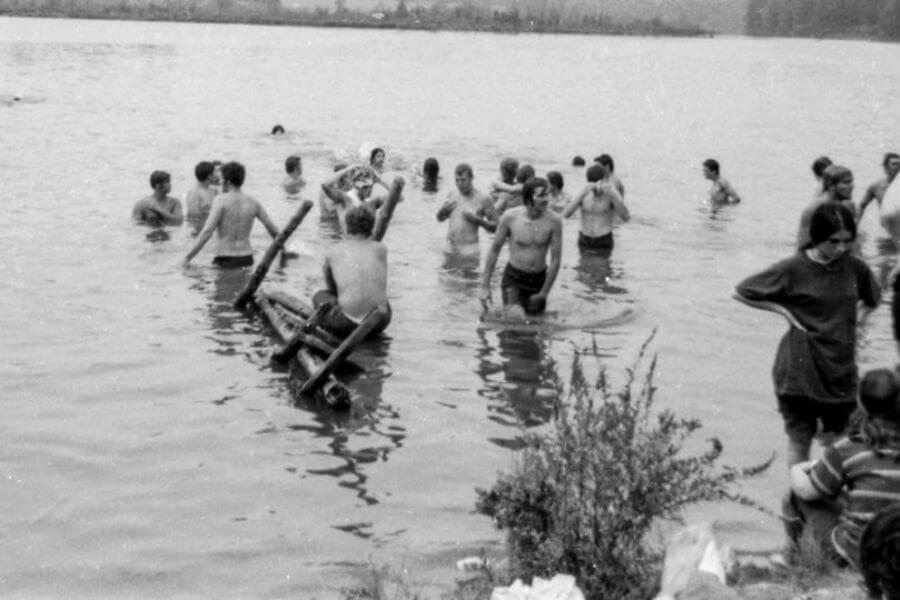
(575, 202)
(215, 217)
(512, 188)
(490, 260)
(772, 307)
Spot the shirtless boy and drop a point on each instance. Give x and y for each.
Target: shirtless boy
(721, 192)
(293, 182)
(609, 164)
(600, 203)
(467, 209)
(159, 208)
(355, 277)
(891, 165)
(199, 200)
(232, 217)
(511, 194)
(532, 230)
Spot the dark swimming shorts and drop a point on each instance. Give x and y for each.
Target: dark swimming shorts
(519, 286)
(603, 242)
(233, 262)
(338, 323)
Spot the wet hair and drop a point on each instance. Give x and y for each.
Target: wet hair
(607, 161)
(203, 170)
(277, 129)
(829, 218)
(233, 173)
(431, 168)
(531, 186)
(524, 173)
(555, 178)
(834, 174)
(158, 177)
(820, 164)
(888, 157)
(373, 153)
(712, 164)
(462, 168)
(291, 163)
(508, 168)
(595, 172)
(879, 554)
(578, 161)
(359, 220)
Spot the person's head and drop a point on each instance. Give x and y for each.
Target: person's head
(508, 168)
(376, 158)
(535, 196)
(879, 554)
(344, 182)
(160, 180)
(831, 230)
(524, 173)
(363, 183)
(891, 164)
(277, 130)
(233, 174)
(578, 161)
(819, 165)
(555, 179)
(879, 394)
(596, 172)
(607, 161)
(359, 221)
(710, 168)
(203, 170)
(430, 169)
(464, 176)
(293, 165)
(837, 182)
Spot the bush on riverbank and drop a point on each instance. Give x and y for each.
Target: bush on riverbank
(582, 498)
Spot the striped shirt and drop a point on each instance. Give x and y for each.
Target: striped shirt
(868, 482)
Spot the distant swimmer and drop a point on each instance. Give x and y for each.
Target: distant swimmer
(818, 168)
(511, 195)
(355, 277)
(277, 130)
(558, 198)
(430, 175)
(876, 192)
(600, 203)
(532, 230)
(467, 209)
(837, 182)
(293, 183)
(721, 192)
(376, 159)
(232, 217)
(609, 164)
(363, 180)
(199, 200)
(159, 208)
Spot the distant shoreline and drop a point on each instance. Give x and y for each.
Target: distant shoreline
(451, 20)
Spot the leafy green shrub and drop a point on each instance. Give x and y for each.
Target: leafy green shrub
(582, 498)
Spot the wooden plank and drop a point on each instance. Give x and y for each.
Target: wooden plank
(290, 302)
(356, 336)
(302, 336)
(244, 297)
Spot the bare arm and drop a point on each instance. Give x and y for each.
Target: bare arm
(772, 307)
(730, 191)
(215, 216)
(485, 217)
(618, 203)
(871, 194)
(331, 189)
(575, 202)
(176, 217)
(263, 217)
(490, 260)
(555, 258)
(447, 208)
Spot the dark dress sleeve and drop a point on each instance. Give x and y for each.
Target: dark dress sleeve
(770, 284)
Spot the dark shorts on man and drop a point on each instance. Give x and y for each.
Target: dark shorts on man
(600, 243)
(233, 262)
(802, 415)
(336, 320)
(519, 286)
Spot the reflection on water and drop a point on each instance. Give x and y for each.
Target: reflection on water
(460, 275)
(527, 394)
(595, 270)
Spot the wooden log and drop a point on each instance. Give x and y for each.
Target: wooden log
(302, 336)
(356, 336)
(244, 297)
(290, 302)
(386, 213)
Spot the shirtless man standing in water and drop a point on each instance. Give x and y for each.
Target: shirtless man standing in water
(467, 209)
(532, 230)
(600, 203)
(232, 217)
(890, 215)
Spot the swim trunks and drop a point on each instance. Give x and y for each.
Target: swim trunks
(519, 286)
(336, 320)
(233, 262)
(602, 242)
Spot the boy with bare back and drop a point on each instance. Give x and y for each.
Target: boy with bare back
(532, 230)
(159, 208)
(232, 216)
(467, 209)
(600, 203)
(199, 200)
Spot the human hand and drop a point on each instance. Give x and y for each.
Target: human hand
(485, 297)
(537, 303)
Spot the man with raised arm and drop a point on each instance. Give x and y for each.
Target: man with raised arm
(467, 209)
(532, 231)
(231, 217)
(600, 203)
(363, 180)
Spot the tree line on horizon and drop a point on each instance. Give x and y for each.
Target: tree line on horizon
(871, 19)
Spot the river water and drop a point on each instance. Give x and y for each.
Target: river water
(150, 450)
